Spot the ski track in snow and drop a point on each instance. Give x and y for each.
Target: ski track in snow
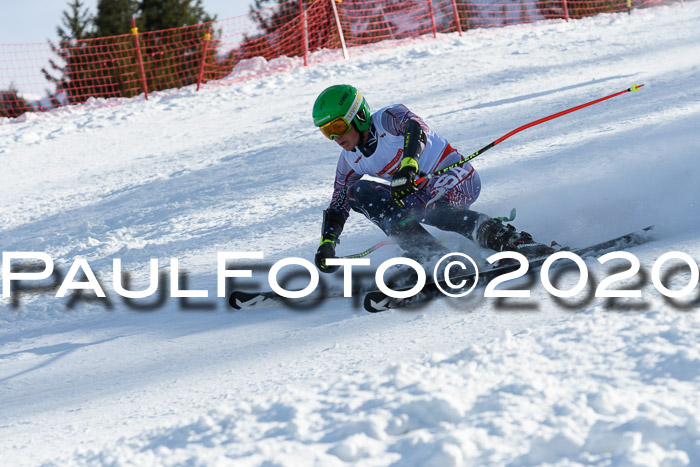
(241, 167)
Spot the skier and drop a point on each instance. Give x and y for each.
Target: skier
(396, 145)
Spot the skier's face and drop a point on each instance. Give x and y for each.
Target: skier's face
(350, 140)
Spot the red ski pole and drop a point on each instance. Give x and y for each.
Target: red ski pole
(519, 129)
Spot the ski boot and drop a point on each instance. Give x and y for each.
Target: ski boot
(494, 235)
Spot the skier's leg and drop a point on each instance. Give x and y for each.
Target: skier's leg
(374, 200)
(448, 209)
(485, 231)
(451, 195)
(465, 222)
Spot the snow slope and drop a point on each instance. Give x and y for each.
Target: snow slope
(239, 168)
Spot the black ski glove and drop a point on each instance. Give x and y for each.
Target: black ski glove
(403, 182)
(325, 250)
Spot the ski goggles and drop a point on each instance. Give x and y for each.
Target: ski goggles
(336, 128)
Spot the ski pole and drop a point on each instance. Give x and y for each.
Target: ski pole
(369, 250)
(519, 129)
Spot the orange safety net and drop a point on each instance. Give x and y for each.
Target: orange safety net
(37, 77)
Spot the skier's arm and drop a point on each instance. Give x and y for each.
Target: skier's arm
(412, 127)
(333, 222)
(398, 120)
(335, 215)
(413, 144)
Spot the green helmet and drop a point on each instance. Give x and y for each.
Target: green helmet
(342, 100)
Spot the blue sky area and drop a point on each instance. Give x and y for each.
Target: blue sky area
(29, 21)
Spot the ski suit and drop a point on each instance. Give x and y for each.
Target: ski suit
(442, 202)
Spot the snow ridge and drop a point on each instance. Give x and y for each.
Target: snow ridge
(564, 394)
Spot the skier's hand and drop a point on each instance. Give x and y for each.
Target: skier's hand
(403, 182)
(325, 251)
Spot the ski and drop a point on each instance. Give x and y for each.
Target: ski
(240, 300)
(376, 301)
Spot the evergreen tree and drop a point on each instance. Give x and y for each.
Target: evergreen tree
(172, 56)
(281, 15)
(67, 77)
(156, 15)
(77, 22)
(12, 104)
(96, 54)
(113, 17)
(260, 4)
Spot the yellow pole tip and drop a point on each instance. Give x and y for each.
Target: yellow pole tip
(636, 87)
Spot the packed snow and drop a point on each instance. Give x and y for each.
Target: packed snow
(240, 168)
